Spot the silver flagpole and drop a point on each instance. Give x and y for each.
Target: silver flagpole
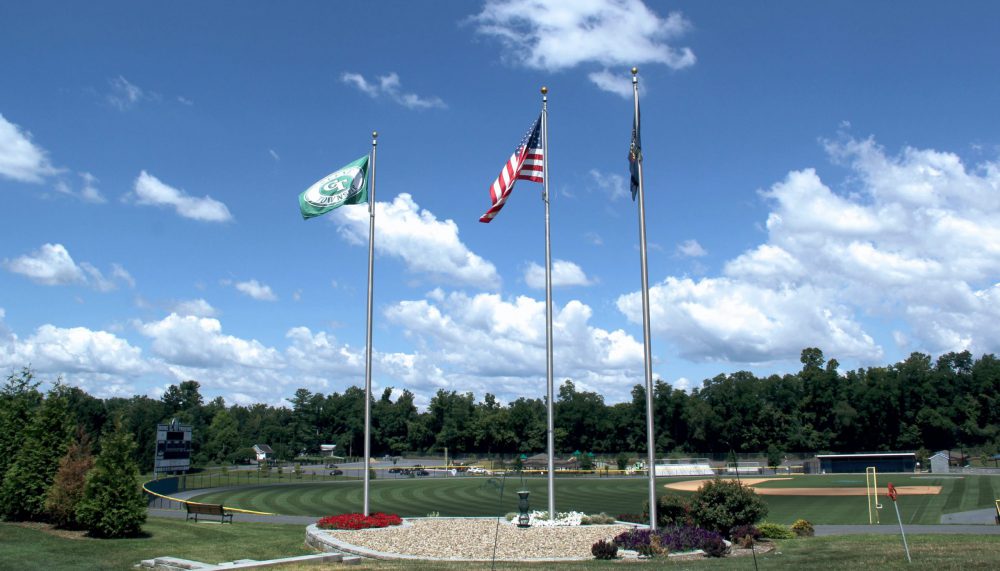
(647, 353)
(368, 334)
(548, 304)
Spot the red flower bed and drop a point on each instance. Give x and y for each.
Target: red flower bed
(358, 521)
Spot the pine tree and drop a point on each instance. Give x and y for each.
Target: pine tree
(113, 504)
(27, 481)
(67, 488)
(19, 399)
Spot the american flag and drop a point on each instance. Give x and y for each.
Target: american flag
(526, 163)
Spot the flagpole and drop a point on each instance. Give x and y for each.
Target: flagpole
(548, 306)
(368, 333)
(647, 353)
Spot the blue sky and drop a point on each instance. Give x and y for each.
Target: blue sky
(816, 175)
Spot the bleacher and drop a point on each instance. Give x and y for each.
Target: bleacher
(742, 468)
(684, 467)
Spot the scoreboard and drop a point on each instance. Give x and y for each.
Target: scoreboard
(173, 448)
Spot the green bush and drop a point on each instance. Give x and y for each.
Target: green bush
(671, 510)
(720, 505)
(113, 505)
(597, 519)
(775, 531)
(803, 528)
(604, 550)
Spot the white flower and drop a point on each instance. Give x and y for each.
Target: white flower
(541, 518)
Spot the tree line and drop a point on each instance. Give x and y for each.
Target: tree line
(918, 403)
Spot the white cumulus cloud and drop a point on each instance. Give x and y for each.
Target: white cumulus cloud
(256, 290)
(564, 273)
(915, 240)
(555, 36)
(49, 265)
(691, 249)
(485, 343)
(150, 190)
(193, 341)
(425, 244)
(100, 362)
(53, 265)
(20, 158)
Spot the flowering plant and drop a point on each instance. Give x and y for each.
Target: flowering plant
(542, 519)
(358, 521)
(672, 539)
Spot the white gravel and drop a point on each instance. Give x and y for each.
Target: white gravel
(474, 539)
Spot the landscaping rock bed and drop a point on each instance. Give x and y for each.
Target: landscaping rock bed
(466, 539)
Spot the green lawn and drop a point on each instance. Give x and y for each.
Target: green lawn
(29, 548)
(481, 497)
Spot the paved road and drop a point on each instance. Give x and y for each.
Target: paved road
(910, 529)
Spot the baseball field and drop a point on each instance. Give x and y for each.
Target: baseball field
(821, 499)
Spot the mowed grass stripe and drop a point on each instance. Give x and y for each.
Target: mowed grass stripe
(400, 497)
(953, 503)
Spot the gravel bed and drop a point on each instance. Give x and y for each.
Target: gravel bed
(474, 539)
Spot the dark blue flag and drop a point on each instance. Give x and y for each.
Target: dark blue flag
(635, 154)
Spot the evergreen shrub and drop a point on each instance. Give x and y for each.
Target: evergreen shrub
(113, 505)
(604, 550)
(720, 505)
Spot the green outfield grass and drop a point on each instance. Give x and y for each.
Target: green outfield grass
(481, 497)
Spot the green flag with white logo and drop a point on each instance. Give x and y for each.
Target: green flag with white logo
(348, 185)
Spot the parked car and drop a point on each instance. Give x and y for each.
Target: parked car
(421, 472)
(395, 470)
(478, 470)
(336, 472)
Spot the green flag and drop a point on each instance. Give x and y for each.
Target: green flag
(348, 185)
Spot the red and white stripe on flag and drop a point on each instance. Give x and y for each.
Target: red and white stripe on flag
(527, 163)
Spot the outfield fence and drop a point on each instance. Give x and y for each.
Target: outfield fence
(158, 499)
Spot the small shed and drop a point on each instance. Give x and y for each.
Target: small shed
(264, 452)
(858, 463)
(939, 462)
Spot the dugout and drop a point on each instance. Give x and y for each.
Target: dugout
(857, 463)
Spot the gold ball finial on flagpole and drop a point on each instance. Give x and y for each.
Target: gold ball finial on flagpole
(374, 134)
(635, 70)
(544, 90)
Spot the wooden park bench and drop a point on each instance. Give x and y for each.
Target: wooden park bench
(195, 509)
